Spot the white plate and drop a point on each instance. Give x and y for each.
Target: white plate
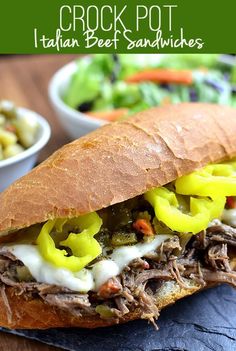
(74, 122)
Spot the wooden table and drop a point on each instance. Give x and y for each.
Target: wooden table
(24, 79)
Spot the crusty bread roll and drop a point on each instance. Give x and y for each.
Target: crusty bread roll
(120, 161)
(110, 165)
(18, 312)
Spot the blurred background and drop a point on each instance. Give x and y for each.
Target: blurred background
(87, 92)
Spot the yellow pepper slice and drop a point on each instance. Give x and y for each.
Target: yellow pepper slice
(213, 180)
(83, 245)
(202, 211)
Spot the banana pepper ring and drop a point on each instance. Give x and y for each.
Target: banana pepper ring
(213, 180)
(83, 245)
(202, 211)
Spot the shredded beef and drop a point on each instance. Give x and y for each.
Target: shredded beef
(121, 303)
(152, 274)
(205, 259)
(218, 258)
(70, 302)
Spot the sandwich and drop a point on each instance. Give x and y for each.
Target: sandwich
(122, 222)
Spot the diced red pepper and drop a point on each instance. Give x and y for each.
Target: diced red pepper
(231, 202)
(143, 226)
(109, 289)
(146, 265)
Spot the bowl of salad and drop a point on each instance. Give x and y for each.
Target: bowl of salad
(23, 133)
(99, 89)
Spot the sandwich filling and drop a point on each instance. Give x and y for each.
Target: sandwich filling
(122, 258)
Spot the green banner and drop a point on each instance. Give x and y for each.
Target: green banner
(147, 26)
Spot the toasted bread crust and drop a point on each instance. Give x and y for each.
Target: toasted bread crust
(20, 312)
(120, 161)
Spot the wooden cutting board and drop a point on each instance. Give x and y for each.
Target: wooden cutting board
(10, 342)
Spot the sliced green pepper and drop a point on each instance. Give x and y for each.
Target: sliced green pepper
(202, 211)
(213, 180)
(83, 245)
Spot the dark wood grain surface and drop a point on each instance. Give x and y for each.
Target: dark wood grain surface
(24, 79)
(9, 342)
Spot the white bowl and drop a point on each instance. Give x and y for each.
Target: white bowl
(15, 167)
(74, 122)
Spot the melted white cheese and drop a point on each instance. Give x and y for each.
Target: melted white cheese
(86, 279)
(229, 217)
